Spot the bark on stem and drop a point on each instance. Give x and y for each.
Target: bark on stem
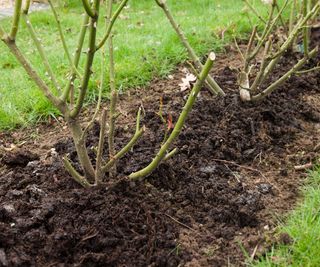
(80, 145)
(306, 30)
(179, 125)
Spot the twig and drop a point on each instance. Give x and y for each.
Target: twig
(240, 166)
(180, 223)
(254, 252)
(303, 167)
(179, 125)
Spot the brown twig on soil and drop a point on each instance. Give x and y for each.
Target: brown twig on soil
(180, 223)
(240, 166)
(303, 167)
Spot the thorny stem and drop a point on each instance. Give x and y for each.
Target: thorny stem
(179, 125)
(138, 133)
(35, 76)
(97, 109)
(292, 15)
(64, 44)
(270, 61)
(268, 29)
(70, 85)
(41, 52)
(308, 70)
(110, 26)
(214, 87)
(88, 66)
(295, 31)
(285, 28)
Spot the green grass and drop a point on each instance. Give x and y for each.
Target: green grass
(145, 46)
(303, 226)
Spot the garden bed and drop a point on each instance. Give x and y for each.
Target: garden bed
(236, 168)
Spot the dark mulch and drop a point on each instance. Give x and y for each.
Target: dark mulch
(233, 171)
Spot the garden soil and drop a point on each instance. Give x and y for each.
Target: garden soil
(237, 169)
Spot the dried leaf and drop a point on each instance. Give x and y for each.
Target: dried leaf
(187, 82)
(170, 124)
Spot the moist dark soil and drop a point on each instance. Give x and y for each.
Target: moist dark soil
(237, 166)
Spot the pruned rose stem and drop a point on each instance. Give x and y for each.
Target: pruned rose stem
(179, 125)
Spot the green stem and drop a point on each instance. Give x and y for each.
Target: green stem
(268, 28)
(97, 109)
(110, 26)
(41, 52)
(74, 174)
(58, 103)
(70, 86)
(87, 7)
(264, 62)
(88, 67)
(99, 172)
(138, 133)
(16, 19)
(285, 77)
(306, 31)
(64, 44)
(26, 7)
(179, 125)
(113, 91)
(3, 35)
(255, 11)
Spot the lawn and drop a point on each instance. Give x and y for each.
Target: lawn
(145, 47)
(303, 226)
